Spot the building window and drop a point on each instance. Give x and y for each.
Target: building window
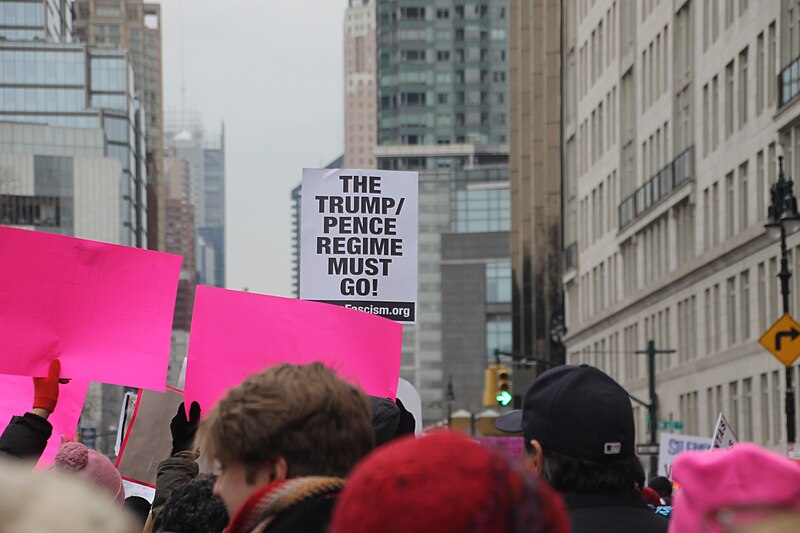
(764, 411)
(777, 408)
(729, 100)
(714, 113)
(747, 409)
(717, 318)
(742, 88)
(498, 335)
(760, 73)
(730, 219)
(482, 209)
(733, 403)
(732, 325)
(744, 194)
(498, 282)
(107, 10)
(744, 303)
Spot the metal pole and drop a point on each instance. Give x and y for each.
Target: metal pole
(785, 275)
(653, 407)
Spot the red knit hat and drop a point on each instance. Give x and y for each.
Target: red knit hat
(447, 483)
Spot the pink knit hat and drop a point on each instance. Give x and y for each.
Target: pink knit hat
(745, 478)
(77, 458)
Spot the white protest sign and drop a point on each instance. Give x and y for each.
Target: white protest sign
(412, 401)
(358, 244)
(724, 437)
(671, 445)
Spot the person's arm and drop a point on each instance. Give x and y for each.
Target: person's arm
(26, 436)
(178, 470)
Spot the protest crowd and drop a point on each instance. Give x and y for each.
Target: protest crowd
(276, 430)
(295, 448)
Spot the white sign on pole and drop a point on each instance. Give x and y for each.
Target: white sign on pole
(724, 437)
(671, 445)
(358, 244)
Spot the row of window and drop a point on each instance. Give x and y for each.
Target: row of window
(655, 74)
(727, 209)
(597, 133)
(598, 210)
(712, 17)
(598, 51)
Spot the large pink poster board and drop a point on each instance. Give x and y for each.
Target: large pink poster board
(104, 310)
(236, 334)
(16, 400)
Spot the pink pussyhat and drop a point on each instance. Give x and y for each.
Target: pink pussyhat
(76, 458)
(739, 483)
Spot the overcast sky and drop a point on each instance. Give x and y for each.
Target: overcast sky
(272, 70)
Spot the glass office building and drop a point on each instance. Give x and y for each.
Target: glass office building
(32, 20)
(71, 85)
(441, 79)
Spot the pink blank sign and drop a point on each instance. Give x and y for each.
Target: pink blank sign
(104, 310)
(236, 334)
(17, 398)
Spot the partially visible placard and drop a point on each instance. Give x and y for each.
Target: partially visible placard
(148, 440)
(105, 311)
(16, 400)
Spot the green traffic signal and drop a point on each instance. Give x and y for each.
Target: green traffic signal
(504, 398)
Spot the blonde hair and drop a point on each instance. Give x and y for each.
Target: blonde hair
(320, 424)
(31, 502)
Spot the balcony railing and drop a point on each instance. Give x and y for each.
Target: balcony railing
(656, 188)
(789, 83)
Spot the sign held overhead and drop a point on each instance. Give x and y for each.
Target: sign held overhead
(359, 240)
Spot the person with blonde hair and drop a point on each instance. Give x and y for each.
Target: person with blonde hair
(32, 502)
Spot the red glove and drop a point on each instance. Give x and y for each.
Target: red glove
(45, 390)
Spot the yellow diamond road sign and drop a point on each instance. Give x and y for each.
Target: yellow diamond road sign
(783, 340)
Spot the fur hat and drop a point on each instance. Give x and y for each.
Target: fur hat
(447, 483)
(77, 458)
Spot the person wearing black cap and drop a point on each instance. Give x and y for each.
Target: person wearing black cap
(580, 436)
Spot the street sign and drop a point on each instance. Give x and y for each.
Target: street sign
(783, 340)
(647, 449)
(670, 424)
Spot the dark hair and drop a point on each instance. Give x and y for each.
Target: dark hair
(139, 508)
(568, 474)
(194, 509)
(662, 486)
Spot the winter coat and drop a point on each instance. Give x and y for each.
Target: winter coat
(302, 504)
(612, 512)
(172, 475)
(26, 437)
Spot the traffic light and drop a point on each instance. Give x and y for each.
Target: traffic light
(490, 385)
(503, 395)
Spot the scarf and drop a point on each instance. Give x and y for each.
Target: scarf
(273, 499)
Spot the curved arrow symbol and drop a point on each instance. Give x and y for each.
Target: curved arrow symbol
(792, 334)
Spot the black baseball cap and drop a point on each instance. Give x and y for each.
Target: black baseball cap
(578, 411)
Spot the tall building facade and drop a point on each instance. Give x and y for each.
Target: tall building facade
(360, 88)
(535, 169)
(36, 20)
(442, 108)
(72, 85)
(674, 115)
(135, 26)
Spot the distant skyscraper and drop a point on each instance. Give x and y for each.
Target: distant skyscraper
(135, 26)
(442, 111)
(36, 20)
(205, 160)
(213, 228)
(359, 85)
(75, 86)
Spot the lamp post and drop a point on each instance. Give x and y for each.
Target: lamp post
(782, 220)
